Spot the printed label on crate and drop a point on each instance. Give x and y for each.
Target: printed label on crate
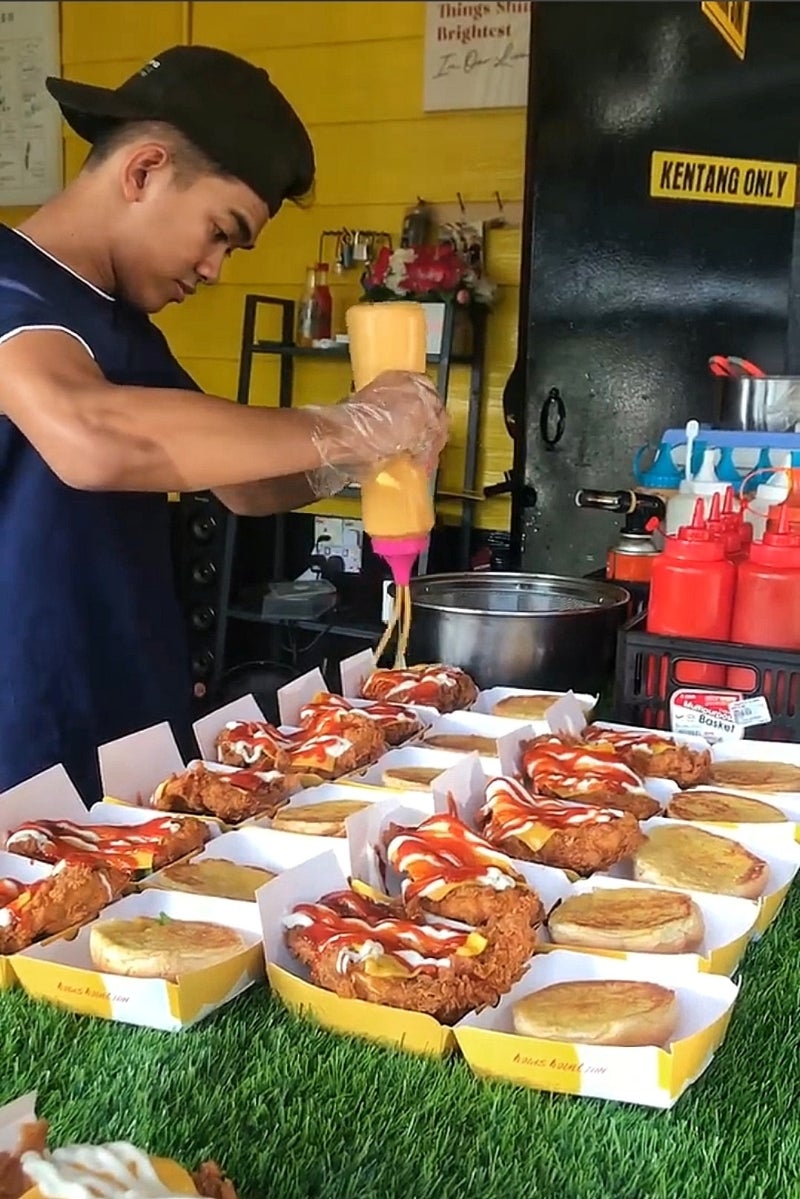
(749, 712)
(706, 714)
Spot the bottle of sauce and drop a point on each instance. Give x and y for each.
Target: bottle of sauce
(726, 527)
(691, 594)
(397, 503)
(417, 225)
(776, 512)
(735, 517)
(323, 303)
(304, 330)
(766, 608)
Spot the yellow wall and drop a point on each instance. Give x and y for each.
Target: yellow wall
(354, 73)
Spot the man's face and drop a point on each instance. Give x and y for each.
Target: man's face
(178, 232)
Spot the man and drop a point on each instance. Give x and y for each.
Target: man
(190, 159)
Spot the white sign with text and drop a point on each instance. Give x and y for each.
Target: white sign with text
(30, 122)
(476, 55)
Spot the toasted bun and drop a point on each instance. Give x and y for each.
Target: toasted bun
(463, 743)
(216, 877)
(411, 778)
(712, 806)
(630, 919)
(599, 1012)
(149, 947)
(90, 1166)
(317, 819)
(699, 861)
(526, 707)
(756, 776)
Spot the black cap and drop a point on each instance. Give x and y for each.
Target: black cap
(228, 108)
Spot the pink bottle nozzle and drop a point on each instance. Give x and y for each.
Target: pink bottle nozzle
(400, 553)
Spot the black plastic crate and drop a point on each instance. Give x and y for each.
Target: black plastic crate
(648, 673)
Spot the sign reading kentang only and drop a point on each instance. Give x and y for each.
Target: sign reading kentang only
(704, 177)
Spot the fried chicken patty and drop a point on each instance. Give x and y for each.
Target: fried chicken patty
(74, 893)
(446, 688)
(230, 796)
(581, 851)
(579, 837)
(163, 839)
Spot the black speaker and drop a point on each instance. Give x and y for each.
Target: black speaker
(198, 528)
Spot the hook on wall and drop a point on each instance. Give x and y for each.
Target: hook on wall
(499, 201)
(461, 204)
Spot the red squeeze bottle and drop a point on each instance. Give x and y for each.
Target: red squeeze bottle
(766, 608)
(737, 521)
(691, 594)
(774, 518)
(726, 527)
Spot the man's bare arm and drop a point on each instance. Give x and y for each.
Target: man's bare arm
(267, 496)
(98, 436)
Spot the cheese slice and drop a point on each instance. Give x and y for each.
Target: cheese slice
(386, 967)
(536, 837)
(474, 947)
(368, 892)
(392, 967)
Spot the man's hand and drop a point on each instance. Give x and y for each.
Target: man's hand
(398, 413)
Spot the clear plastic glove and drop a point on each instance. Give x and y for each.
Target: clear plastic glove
(398, 413)
(326, 481)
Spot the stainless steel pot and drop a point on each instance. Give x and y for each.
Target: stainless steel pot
(769, 405)
(519, 630)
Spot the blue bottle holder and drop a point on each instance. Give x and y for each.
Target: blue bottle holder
(662, 474)
(726, 469)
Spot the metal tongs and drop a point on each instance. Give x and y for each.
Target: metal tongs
(734, 368)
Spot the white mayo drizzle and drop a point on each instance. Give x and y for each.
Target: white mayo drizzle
(117, 1170)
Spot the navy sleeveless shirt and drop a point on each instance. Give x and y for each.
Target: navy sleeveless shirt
(92, 641)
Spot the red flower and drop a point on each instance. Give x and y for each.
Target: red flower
(435, 268)
(380, 268)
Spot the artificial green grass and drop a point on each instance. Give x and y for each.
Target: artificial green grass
(291, 1110)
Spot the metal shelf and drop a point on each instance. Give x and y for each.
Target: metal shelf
(340, 352)
(361, 632)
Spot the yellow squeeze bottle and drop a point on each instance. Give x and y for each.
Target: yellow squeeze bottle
(396, 504)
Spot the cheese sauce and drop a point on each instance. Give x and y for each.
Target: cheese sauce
(319, 751)
(423, 687)
(652, 743)
(417, 948)
(131, 848)
(550, 763)
(251, 740)
(513, 812)
(250, 781)
(326, 711)
(442, 853)
(117, 1170)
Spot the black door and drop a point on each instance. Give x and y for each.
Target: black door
(627, 296)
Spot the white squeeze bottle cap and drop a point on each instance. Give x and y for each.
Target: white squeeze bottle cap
(680, 507)
(775, 489)
(685, 485)
(706, 481)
